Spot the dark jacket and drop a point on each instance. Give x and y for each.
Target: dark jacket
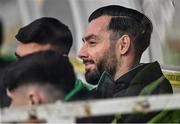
(132, 84)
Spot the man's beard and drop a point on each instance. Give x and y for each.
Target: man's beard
(108, 63)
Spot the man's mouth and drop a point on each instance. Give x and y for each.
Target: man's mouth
(89, 64)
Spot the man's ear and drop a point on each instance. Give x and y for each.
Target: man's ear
(123, 44)
(34, 97)
(8, 93)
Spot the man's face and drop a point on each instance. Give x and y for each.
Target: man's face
(98, 53)
(25, 49)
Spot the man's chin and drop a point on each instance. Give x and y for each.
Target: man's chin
(92, 77)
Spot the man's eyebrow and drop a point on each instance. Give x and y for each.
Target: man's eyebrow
(17, 56)
(89, 37)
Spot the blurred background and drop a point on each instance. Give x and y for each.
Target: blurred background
(165, 15)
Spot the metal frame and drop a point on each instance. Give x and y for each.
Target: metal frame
(68, 112)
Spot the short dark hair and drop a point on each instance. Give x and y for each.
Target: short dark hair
(41, 68)
(127, 21)
(47, 30)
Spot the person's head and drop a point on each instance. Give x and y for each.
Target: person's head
(39, 78)
(114, 41)
(43, 34)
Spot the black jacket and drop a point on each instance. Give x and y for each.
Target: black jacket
(131, 84)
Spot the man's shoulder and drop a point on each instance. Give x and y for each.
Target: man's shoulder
(146, 79)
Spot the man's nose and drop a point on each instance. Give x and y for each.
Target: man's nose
(83, 53)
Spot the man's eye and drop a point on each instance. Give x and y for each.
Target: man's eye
(92, 42)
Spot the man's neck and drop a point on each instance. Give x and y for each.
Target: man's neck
(124, 69)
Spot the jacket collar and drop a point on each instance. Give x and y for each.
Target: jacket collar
(106, 86)
(127, 77)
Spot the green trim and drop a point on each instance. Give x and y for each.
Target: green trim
(166, 116)
(152, 86)
(8, 57)
(116, 118)
(79, 85)
(101, 79)
(77, 88)
(145, 91)
(158, 117)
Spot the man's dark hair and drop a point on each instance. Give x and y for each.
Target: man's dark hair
(47, 30)
(127, 21)
(41, 68)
